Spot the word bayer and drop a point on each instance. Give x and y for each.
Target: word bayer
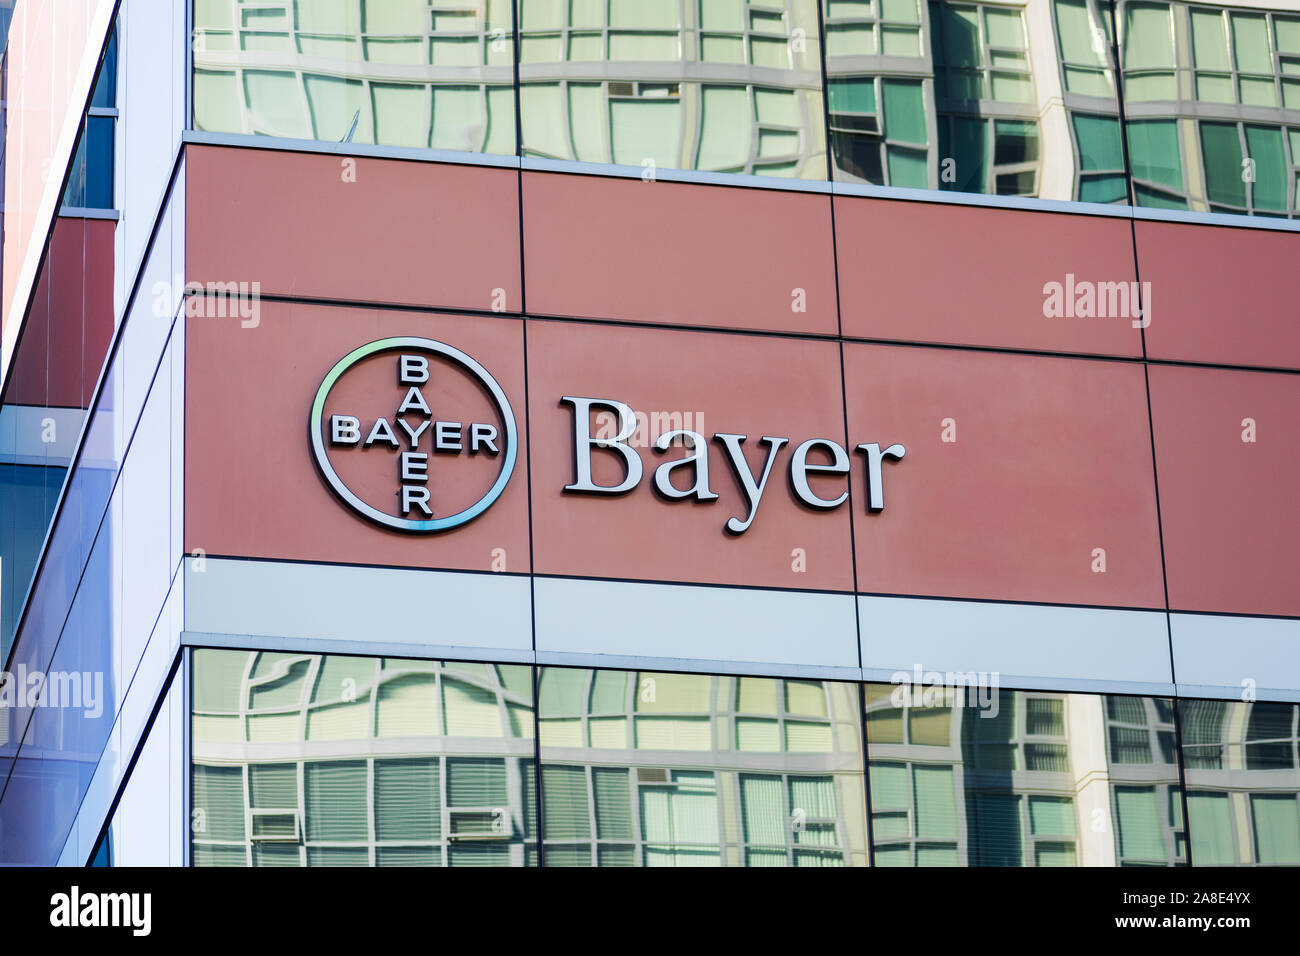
(694, 468)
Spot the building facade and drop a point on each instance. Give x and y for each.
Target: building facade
(438, 432)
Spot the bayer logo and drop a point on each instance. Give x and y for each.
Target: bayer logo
(413, 434)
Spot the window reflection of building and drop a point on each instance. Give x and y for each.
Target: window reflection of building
(415, 73)
(937, 95)
(1046, 780)
(1084, 45)
(1005, 98)
(1212, 100)
(303, 759)
(718, 85)
(1243, 782)
(324, 760)
(698, 770)
(1146, 801)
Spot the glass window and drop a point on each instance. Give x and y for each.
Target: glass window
(1243, 782)
(978, 777)
(1157, 164)
(324, 760)
(1215, 74)
(961, 115)
(1101, 158)
(90, 176)
(1148, 44)
(374, 71)
(28, 495)
(1222, 154)
(734, 771)
(1268, 184)
(1084, 35)
(732, 87)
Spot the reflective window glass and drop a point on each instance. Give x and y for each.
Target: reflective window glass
(661, 769)
(1213, 100)
(392, 72)
(979, 777)
(324, 760)
(678, 84)
(977, 106)
(1243, 782)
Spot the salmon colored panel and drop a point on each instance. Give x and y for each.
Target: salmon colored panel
(1018, 467)
(72, 310)
(354, 228)
(251, 484)
(966, 275)
(679, 254)
(1228, 504)
(705, 382)
(1221, 295)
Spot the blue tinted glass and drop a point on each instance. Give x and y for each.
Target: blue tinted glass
(105, 95)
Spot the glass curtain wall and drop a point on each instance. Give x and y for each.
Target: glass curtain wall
(720, 85)
(999, 98)
(1023, 779)
(393, 72)
(1212, 103)
(1243, 782)
(318, 760)
(646, 769)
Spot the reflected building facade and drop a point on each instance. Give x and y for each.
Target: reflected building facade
(326, 760)
(661, 769)
(306, 760)
(1212, 105)
(1037, 780)
(1243, 781)
(1008, 99)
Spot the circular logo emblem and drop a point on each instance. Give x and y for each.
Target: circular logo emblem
(409, 432)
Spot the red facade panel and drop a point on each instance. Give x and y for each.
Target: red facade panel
(966, 275)
(354, 228)
(1222, 295)
(70, 325)
(1018, 470)
(1229, 466)
(681, 254)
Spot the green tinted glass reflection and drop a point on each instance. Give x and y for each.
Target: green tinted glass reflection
(743, 92)
(1149, 38)
(718, 771)
(963, 777)
(1099, 143)
(374, 71)
(905, 119)
(1243, 782)
(1269, 158)
(362, 761)
(968, 146)
(1153, 151)
(971, 120)
(1221, 150)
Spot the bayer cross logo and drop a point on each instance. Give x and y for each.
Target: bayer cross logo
(413, 434)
